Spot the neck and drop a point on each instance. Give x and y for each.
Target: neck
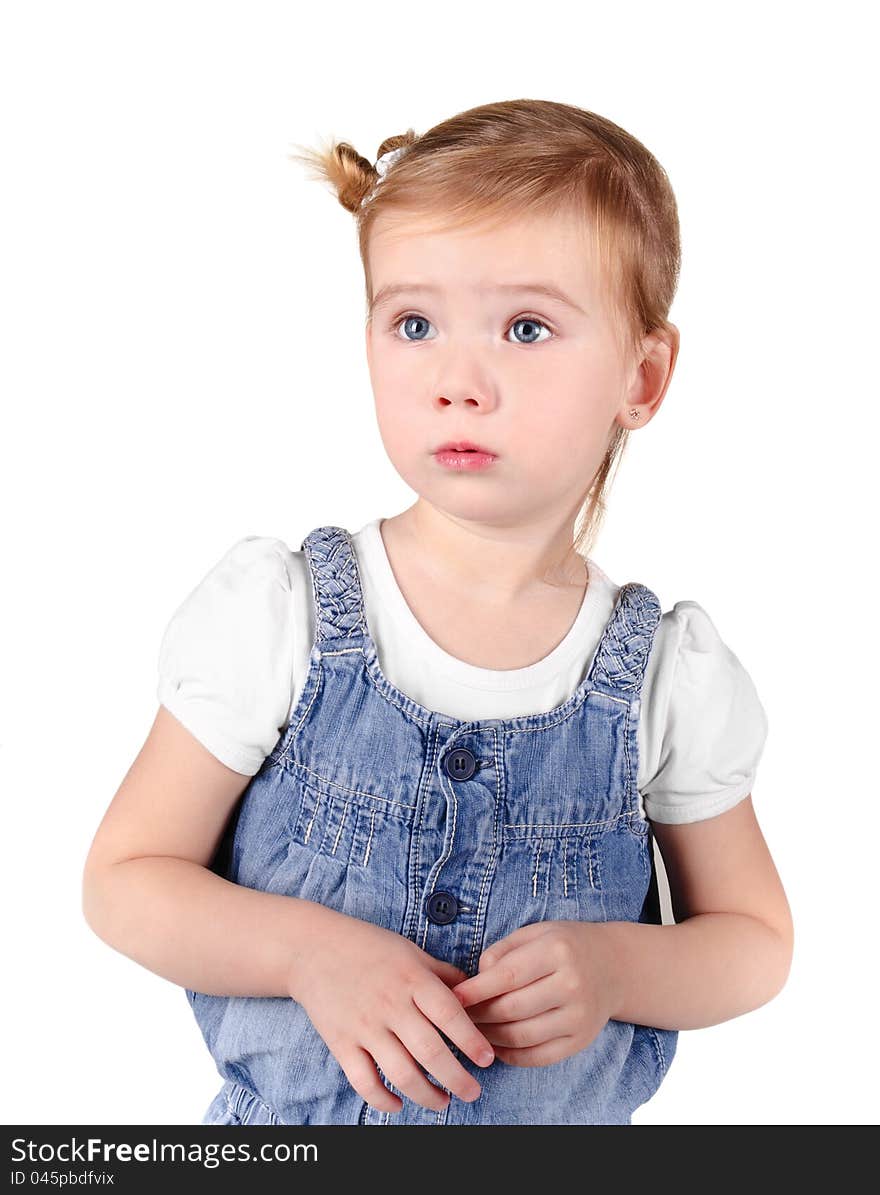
(493, 562)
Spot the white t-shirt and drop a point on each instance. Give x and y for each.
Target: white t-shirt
(234, 658)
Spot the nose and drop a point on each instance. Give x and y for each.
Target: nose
(470, 388)
(463, 377)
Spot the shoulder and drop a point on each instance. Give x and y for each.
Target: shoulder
(226, 658)
(692, 624)
(257, 557)
(686, 634)
(248, 588)
(691, 652)
(252, 565)
(692, 666)
(704, 726)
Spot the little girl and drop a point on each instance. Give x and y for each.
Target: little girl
(393, 828)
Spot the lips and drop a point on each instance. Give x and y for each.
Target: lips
(464, 446)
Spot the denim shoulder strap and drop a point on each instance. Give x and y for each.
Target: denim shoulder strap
(623, 651)
(336, 585)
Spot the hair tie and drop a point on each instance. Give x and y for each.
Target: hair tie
(383, 165)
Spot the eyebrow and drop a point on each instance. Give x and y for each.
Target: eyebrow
(536, 288)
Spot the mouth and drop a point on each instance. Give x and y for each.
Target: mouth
(463, 456)
(464, 446)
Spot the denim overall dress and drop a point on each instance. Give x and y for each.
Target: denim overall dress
(454, 834)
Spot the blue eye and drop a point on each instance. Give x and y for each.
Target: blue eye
(530, 321)
(411, 319)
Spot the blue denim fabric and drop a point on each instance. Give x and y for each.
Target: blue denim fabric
(354, 808)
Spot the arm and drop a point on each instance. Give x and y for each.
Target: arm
(731, 949)
(148, 893)
(198, 930)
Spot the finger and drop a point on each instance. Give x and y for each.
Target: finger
(518, 937)
(529, 1001)
(532, 1031)
(427, 1047)
(544, 1055)
(447, 971)
(518, 967)
(400, 1067)
(360, 1070)
(444, 1010)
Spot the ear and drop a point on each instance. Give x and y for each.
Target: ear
(652, 376)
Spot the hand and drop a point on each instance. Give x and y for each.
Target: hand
(543, 992)
(375, 998)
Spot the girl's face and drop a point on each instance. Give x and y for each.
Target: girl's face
(469, 351)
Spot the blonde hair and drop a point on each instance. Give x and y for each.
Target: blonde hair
(518, 156)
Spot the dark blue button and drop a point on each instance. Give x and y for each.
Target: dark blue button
(460, 764)
(441, 907)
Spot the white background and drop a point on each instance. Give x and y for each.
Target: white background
(183, 365)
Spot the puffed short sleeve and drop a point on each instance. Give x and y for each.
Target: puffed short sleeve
(225, 659)
(706, 725)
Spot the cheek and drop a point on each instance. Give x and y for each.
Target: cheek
(397, 420)
(565, 420)
(564, 443)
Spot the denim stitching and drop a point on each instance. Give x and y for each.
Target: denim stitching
(448, 851)
(312, 819)
(417, 718)
(589, 846)
(339, 831)
(560, 825)
(357, 792)
(416, 857)
(595, 867)
(230, 1111)
(658, 1049)
(244, 1095)
(626, 754)
(316, 688)
(370, 839)
(535, 872)
(483, 896)
(564, 717)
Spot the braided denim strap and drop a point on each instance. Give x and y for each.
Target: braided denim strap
(623, 653)
(339, 607)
